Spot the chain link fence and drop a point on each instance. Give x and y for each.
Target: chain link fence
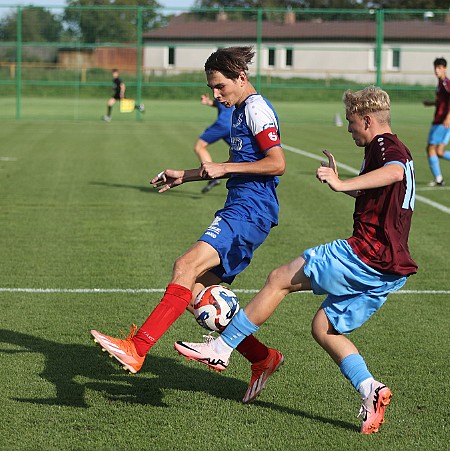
(67, 53)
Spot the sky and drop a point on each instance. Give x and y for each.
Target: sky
(168, 3)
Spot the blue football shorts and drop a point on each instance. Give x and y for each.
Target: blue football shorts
(235, 241)
(216, 132)
(355, 290)
(439, 134)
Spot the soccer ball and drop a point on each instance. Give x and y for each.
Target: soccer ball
(214, 307)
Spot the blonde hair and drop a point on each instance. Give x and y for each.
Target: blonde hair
(370, 100)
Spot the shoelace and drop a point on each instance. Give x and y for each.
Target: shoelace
(208, 339)
(133, 329)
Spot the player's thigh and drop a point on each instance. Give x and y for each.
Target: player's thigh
(200, 258)
(291, 276)
(112, 101)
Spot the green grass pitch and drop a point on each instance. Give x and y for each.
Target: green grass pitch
(77, 212)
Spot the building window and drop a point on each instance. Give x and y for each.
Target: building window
(395, 59)
(271, 57)
(289, 57)
(171, 56)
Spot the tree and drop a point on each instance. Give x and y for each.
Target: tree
(345, 4)
(92, 25)
(410, 4)
(38, 25)
(278, 4)
(248, 7)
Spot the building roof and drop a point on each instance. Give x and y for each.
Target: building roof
(184, 28)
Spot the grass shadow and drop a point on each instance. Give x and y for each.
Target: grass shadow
(308, 415)
(151, 190)
(73, 368)
(66, 364)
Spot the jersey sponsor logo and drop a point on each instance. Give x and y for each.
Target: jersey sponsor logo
(236, 143)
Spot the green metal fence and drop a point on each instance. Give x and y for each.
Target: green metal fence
(66, 53)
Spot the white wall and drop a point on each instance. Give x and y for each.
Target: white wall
(351, 61)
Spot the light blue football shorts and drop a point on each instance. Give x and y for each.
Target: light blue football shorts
(355, 290)
(438, 134)
(235, 241)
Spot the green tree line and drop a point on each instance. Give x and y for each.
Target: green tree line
(76, 24)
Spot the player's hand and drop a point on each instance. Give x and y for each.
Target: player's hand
(331, 161)
(167, 179)
(327, 173)
(210, 170)
(206, 100)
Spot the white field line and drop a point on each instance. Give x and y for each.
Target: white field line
(161, 290)
(422, 199)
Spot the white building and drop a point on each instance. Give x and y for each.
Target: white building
(309, 49)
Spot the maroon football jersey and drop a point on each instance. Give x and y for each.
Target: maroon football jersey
(382, 217)
(442, 101)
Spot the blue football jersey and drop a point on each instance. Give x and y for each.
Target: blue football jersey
(254, 130)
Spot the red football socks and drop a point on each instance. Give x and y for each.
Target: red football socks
(172, 305)
(252, 349)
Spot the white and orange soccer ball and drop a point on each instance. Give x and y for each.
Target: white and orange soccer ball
(214, 307)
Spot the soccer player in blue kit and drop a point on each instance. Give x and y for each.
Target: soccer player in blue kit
(220, 129)
(358, 273)
(239, 228)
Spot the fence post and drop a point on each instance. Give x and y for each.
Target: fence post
(18, 62)
(258, 49)
(379, 46)
(139, 61)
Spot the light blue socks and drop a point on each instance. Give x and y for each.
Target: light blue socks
(355, 370)
(434, 166)
(239, 328)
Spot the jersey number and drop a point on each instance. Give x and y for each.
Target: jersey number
(410, 195)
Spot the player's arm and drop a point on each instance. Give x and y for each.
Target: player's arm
(171, 177)
(122, 90)
(384, 176)
(273, 163)
(262, 125)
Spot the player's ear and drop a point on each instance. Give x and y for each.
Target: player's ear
(367, 121)
(242, 78)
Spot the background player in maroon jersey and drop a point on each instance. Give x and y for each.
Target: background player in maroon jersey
(439, 134)
(358, 273)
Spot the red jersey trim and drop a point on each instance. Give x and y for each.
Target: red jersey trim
(268, 138)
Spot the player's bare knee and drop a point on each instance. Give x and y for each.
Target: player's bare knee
(275, 279)
(183, 267)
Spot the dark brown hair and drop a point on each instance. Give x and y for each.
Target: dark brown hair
(230, 61)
